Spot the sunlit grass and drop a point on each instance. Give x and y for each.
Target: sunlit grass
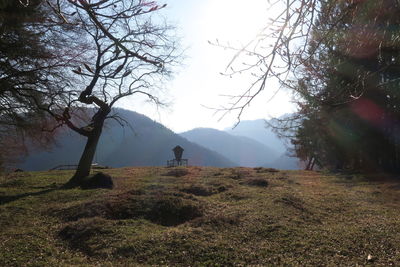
(233, 216)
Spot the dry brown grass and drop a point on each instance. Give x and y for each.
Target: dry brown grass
(208, 216)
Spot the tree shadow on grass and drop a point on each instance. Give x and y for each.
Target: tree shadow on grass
(8, 199)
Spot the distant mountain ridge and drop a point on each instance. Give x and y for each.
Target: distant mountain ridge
(245, 151)
(258, 130)
(150, 144)
(250, 144)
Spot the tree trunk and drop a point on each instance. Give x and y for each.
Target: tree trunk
(85, 162)
(313, 164)
(309, 163)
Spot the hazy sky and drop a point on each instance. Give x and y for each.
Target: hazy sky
(198, 83)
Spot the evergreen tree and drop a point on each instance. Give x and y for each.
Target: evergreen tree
(348, 88)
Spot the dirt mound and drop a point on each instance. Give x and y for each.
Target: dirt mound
(257, 182)
(240, 173)
(179, 172)
(170, 211)
(265, 170)
(99, 180)
(160, 208)
(292, 201)
(85, 235)
(200, 190)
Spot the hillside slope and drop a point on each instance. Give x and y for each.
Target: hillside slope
(148, 144)
(200, 217)
(286, 162)
(258, 130)
(245, 151)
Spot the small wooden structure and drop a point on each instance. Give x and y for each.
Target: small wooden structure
(178, 161)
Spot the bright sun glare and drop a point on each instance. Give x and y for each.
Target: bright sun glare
(199, 83)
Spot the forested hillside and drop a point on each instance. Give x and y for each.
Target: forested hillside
(147, 143)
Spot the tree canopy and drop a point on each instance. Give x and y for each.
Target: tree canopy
(81, 54)
(349, 86)
(340, 59)
(32, 58)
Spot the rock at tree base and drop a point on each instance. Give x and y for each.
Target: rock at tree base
(99, 180)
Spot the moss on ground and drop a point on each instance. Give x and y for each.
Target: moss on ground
(206, 216)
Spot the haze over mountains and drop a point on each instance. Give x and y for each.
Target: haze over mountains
(150, 144)
(249, 144)
(240, 149)
(257, 130)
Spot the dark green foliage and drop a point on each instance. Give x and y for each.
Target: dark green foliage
(348, 90)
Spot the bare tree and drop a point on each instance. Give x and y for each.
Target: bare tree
(284, 49)
(79, 55)
(276, 53)
(129, 52)
(288, 46)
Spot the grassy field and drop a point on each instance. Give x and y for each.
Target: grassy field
(200, 216)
